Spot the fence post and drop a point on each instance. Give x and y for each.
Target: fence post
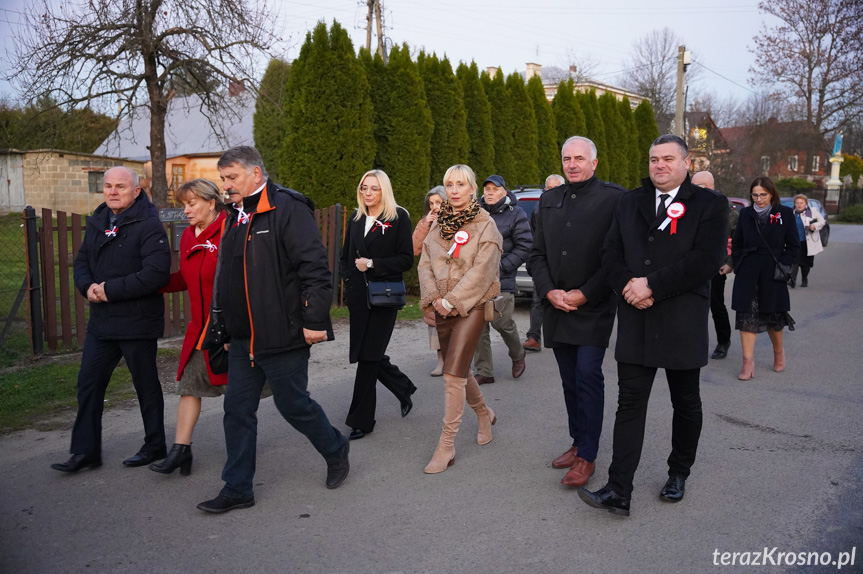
(33, 281)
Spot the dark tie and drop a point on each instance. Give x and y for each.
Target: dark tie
(663, 197)
(112, 221)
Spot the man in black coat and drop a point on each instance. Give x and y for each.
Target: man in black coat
(123, 262)
(667, 240)
(511, 221)
(274, 288)
(571, 223)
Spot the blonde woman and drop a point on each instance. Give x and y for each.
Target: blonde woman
(458, 273)
(377, 247)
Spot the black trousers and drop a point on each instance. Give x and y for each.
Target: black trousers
(98, 361)
(718, 309)
(635, 384)
(361, 414)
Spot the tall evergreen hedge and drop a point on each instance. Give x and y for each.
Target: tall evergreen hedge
(480, 132)
(329, 119)
(595, 130)
(268, 122)
(568, 116)
(633, 152)
(615, 139)
(524, 133)
(547, 150)
(647, 133)
(501, 121)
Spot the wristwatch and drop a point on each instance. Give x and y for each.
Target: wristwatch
(370, 264)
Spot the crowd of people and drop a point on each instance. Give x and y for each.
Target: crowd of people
(655, 258)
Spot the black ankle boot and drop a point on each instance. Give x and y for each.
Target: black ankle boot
(180, 456)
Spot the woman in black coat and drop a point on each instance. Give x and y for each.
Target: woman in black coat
(766, 229)
(377, 247)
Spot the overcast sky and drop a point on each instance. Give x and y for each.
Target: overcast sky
(509, 33)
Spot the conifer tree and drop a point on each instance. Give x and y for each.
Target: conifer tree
(268, 122)
(647, 133)
(633, 153)
(449, 142)
(524, 132)
(595, 131)
(329, 118)
(501, 121)
(615, 139)
(480, 133)
(568, 116)
(404, 125)
(547, 150)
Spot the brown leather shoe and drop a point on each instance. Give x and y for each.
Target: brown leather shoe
(532, 345)
(517, 368)
(566, 459)
(482, 380)
(580, 473)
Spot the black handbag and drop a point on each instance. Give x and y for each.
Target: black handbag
(781, 272)
(218, 359)
(386, 294)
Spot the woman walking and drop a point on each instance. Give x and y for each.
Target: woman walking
(377, 247)
(809, 223)
(433, 200)
(766, 233)
(458, 274)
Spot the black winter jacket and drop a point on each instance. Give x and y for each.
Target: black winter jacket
(134, 264)
(274, 279)
(514, 227)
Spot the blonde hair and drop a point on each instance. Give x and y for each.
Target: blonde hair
(462, 170)
(803, 197)
(202, 188)
(388, 200)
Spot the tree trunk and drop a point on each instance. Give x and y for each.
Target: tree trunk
(158, 149)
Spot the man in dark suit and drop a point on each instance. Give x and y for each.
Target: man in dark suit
(666, 243)
(123, 262)
(571, 223)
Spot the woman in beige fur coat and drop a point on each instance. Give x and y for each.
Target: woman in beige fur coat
(458, 273)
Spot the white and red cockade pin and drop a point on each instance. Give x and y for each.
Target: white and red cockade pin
(209, 246)
(383, 226)
(460, 238)
(674, 212)
(776, 218)
(111, 232)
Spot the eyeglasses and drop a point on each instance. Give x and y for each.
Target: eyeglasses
(365, 188)
(757, 195)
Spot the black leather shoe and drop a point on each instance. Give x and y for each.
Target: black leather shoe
(673, 489)
(720, 352)
(143, 458)
(357, 434)
(406, 407)
(606, 499)
(179, 457)
(223, 503)
(338, 467)
(77, 462)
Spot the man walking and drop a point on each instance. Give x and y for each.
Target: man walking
(123, 262)
(511, 221)
(667, 240)
(274, 289)
(571, 224)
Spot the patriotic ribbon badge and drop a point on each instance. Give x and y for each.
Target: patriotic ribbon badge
(674, 212)
(383, 226)
(111, 232)
(209, 246)
(776, 218)
(460, 238)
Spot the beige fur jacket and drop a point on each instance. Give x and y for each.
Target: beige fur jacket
(468, 280)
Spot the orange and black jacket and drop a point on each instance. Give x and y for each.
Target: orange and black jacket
(274, 278)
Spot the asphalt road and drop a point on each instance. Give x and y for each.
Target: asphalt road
(779, 466)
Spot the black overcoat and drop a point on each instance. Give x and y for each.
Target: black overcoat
(134, 262)
(571, 222)
(391, 251)
(753, 264)
(672, 333)
(514, 228)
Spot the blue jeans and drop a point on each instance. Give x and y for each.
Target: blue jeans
(288, 376)
(580, 369)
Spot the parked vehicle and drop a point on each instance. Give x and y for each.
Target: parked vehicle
(738, 203)
(816, 206)
(528, 198)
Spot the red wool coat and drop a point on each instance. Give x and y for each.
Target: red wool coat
(197, 270)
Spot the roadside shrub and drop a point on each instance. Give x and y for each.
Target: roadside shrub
(791, 186)
(852, 214)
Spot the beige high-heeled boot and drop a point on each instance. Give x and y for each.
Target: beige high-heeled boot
(748, 370)
(485, 416)
(779, 360)
(454, 397)
(438, 371)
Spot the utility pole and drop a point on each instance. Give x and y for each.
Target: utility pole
(683, 60)
(371, 5)
(381, 49)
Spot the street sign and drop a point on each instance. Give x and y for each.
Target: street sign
(172, 214)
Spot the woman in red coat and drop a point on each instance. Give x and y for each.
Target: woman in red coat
(199, 249)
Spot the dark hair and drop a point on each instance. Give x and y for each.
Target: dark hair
(671, 138)
(766, 183)
(245, 156)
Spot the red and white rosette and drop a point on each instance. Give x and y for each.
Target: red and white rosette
(460, 238)
(674, 212)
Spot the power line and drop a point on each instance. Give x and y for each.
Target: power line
(724, 78)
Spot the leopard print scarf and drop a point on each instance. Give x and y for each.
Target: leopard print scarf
(450, 221)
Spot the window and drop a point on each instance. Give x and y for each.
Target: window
(816, 163)
(94, 181)
(765, 163)
(177, 176)
(792, 163)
